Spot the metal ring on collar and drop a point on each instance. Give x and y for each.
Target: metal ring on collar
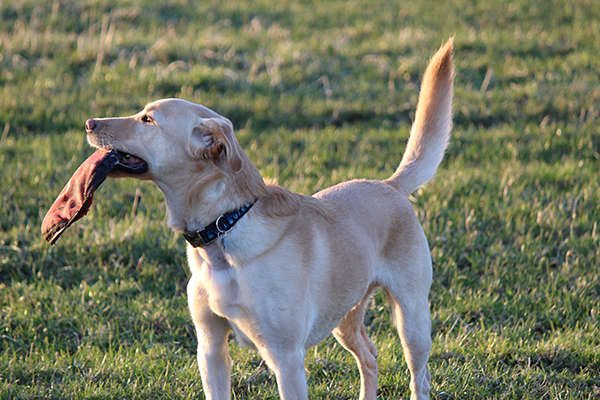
(221, 231)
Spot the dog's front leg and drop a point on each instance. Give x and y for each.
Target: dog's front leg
(213, 357)
(288, 366)
(215, 365)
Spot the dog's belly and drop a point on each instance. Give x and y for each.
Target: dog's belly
(321, 331)
(246, 331)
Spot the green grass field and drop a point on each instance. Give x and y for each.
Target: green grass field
(319, 92)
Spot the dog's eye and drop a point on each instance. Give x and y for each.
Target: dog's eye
(147, 119)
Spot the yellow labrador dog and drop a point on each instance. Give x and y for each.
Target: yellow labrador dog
(280, 269)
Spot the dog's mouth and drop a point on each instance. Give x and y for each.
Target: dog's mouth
(126, 163)
(130, 164)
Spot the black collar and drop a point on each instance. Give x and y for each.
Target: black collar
(223, 224)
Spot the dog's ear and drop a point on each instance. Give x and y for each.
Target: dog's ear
(210, 137)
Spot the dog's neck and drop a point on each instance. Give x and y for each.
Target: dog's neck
(191, 207)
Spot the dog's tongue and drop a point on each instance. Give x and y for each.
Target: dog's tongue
(76, 197)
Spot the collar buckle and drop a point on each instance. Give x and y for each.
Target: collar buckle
(195, 238)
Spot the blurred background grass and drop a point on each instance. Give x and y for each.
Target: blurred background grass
(319, 92)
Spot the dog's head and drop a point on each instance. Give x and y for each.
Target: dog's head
(189, 151)
(166, 136)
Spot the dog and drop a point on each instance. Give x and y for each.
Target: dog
(280, 269)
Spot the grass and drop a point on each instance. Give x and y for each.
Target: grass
(319, 92)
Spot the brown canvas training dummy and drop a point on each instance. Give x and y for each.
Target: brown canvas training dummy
(75, 199)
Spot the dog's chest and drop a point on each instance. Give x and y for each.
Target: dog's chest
(216, 283)
(223, 291)
(224, 299)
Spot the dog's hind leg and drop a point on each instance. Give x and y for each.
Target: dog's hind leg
(352, 335)
(410, 307)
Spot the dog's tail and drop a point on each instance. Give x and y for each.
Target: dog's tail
(430, 132)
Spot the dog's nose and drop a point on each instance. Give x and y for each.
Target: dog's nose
(90, 124)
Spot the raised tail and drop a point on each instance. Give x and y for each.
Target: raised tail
(430, 132)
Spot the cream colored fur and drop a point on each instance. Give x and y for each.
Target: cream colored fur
(295, 268)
